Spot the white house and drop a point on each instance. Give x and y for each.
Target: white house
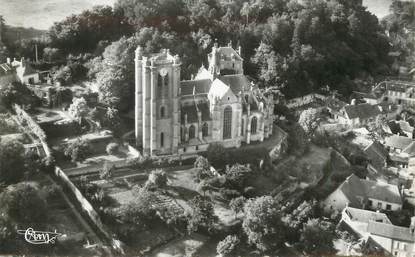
(361, 193)
(376, 228)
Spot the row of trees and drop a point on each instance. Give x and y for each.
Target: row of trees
(298, 46)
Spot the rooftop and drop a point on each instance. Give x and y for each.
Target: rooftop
(399, 142)
(366, 215)
(362, 111)
(354, 187)
(390, 231)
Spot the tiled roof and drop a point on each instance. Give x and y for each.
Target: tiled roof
(354, 187)
(366, 215)
(390, 231)
(410, 149)
(376, 148)
(399, 142)
(200, 86)
(362, 111)
(405, 126)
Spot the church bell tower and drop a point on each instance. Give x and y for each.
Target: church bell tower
(157, 102)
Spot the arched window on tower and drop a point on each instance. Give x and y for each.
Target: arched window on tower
(162, 112)
(166, 80)
(162, 139)
(227, 122)
(205, 130)
(166, 85)
(159, 85)
(192, 131)
(254, 122)
(242, 127)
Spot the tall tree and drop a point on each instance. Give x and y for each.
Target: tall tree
(262, 223)
(12, 161)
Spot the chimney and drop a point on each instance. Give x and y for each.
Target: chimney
(230, 43)
(8, 60)
(240, 50)
(23, 63)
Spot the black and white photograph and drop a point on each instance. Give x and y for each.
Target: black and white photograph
(207, 128)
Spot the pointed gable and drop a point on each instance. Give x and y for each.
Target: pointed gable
(220, 90)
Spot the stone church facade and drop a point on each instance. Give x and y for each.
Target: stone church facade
(220, 104)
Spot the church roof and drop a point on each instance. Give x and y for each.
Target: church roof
(201, 86)
(191, 111)
(236, 82)
(218, 89)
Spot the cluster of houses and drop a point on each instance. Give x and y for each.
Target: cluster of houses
(365, 203)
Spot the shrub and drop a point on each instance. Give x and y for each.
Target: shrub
(217, 155)
(250, 192)
(107, 170)
(78, 150)
(228, 245)
(157, 178)
(112, 148)
(229, 194)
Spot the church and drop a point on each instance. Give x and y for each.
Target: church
(220, 104)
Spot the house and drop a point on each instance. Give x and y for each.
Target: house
(361, 193)
(397, 143)
(358, 115)
(376, 228)
(406, 128)
(400, 92)
(21, 71)
(377, 154)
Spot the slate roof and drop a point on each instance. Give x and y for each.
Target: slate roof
(237, 82)
(362, 111)
(227, 52)
(361, 215)
(390, 231)
(200, 86)
(399, 142)
(191, 111)
(354, 187)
